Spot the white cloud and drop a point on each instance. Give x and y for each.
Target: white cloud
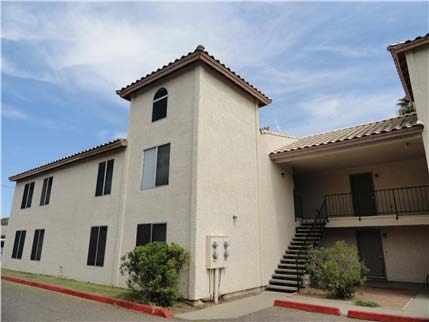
(333, 112)
(354, 52)
(13, 113)
(105, 135)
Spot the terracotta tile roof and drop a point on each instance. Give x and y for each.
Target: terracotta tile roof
(354, 132)
(265, 131)
(418, 38)
(105, 147)
(199, 54)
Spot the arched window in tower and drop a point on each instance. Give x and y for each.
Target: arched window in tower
(159, 110)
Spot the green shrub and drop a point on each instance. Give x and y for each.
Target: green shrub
(336, 269)
(154, 271)
(366, 303)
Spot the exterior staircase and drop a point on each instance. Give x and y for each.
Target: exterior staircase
(288, 276)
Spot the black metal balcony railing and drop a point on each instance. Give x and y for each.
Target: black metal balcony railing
(408, 200)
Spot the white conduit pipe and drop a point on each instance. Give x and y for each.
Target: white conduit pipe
(216, 290)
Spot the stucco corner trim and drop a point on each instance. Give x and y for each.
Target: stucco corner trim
(95, 297)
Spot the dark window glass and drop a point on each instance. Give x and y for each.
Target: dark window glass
(97, 246)
(162, 165)
(28, 195)
(36, 250)
(100, 178)
(18, 245)
(102, 235)
(104, 178)
(143, 234)
(159, 109)
(147, 233)
(24, 196)
(46, 191)
(109, 175)
(159, 232)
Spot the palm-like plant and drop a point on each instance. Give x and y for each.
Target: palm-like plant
(405, 106)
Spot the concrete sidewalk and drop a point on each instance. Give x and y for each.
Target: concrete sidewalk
(417, 307)
(235, 309)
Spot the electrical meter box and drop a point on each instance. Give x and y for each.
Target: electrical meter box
(217, 251)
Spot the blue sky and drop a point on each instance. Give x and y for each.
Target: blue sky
(325, 65)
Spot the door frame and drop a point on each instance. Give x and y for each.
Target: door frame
(380, 237)
(372, 187)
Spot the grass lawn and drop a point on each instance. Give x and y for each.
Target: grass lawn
(69, 283)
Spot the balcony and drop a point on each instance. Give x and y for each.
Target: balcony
(386, 207)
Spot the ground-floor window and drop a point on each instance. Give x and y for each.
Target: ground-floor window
(97, 246)
(18, 245)
(147, 233)
(36, 250)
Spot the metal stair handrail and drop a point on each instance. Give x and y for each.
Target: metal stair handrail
(318, 218)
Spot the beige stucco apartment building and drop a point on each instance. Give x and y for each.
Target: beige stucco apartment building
(196, 169)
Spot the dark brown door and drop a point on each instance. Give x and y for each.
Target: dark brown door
(371, 252)
(363, 194)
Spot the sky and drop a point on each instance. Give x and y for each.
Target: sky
(325, 65)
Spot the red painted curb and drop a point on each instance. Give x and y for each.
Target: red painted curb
(308, 307)
(95, 297)
(384, 317)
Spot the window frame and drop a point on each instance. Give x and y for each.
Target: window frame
(151, 231)
(27, 195)
(157, 100)
(18, 247)
(45, 197)
(154, 185)
(36, 248)
(94, 261)
(104, 178)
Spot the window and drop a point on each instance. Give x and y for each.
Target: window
(156, 164)
(36, 250)
(159, 109)
(46, 191)
(28, 195)
(18, 245)
(97, 246)
(104, 178)
(147, 233)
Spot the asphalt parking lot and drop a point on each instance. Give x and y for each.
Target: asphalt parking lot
(25, 303)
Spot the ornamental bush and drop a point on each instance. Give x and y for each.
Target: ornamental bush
(154, 271)
(336, 270)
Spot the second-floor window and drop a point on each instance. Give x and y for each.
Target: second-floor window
(28, 195)
(36, 250)
(18, 244)
(46, 191)
(156, 165)
(159, 108)
(104, 178)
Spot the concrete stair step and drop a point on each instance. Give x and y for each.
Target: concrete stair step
(283, 282)
(287, 277)
(285, 289)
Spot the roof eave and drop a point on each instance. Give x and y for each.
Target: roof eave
(127, 92)
(401, 49)
(285, 156)
(120, 144)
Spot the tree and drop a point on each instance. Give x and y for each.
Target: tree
(405, 106)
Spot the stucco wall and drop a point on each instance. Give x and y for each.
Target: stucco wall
(418, 68)
(67, 220)
(404, 248)
(313, 187)
(226, 184)
(276, 205)
(169, 203)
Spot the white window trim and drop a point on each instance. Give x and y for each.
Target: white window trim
(160, 98)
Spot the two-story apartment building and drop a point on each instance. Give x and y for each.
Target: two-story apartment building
(195, 169)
